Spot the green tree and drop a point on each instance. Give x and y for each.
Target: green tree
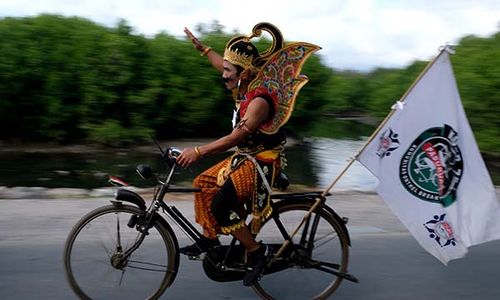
(347, 92)
(477, 68)
(72, 80)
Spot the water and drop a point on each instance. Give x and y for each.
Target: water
(313, 164)
(329, 157)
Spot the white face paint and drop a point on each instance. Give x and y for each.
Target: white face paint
(230, 75)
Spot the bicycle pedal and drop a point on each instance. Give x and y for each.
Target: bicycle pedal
(197, 257)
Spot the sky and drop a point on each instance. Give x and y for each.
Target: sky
(356, 35)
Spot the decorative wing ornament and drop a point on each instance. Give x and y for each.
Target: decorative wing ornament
(280, 77)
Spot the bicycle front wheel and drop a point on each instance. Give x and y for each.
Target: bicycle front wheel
(94, 262)
(308, 266)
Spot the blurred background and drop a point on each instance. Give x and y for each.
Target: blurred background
(80, 99)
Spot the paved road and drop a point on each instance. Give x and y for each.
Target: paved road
(387, 260)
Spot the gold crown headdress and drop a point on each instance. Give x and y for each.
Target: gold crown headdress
(240, 51)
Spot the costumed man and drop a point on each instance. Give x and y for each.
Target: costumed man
(264, 87)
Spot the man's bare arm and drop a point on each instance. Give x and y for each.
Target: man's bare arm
(257, 112)
(213, 57)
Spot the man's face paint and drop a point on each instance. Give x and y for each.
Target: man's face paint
(229, 75)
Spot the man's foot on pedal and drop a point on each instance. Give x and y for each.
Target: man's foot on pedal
(256, 264)
(202, 245)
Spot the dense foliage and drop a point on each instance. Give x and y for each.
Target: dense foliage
(72, 80)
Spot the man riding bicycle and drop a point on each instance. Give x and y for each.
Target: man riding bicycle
(241, 184)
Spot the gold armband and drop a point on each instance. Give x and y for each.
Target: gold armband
(205, 52)
(197, 151)
(243, 126)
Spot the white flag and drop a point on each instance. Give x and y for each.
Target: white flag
(430, 169)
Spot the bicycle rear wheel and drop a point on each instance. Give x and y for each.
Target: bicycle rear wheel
(306, 273)
(93, 251)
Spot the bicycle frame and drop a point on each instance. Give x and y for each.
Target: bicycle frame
(172, 211)
(188, 228)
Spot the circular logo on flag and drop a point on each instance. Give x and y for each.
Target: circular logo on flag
(440, 231)
(432, 166)
(443, 230)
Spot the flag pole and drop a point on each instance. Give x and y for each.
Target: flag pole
(386, 119)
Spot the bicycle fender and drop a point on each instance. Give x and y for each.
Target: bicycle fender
(326, 208)
(341, 221)
(132, 197)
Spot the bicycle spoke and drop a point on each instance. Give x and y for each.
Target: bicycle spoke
(108, 252)
(330, 237)
(121, 278)
(131, 262)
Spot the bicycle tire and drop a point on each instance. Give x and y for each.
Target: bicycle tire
(94, 241)
(303, 279)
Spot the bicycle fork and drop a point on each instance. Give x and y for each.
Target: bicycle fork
(119, 260)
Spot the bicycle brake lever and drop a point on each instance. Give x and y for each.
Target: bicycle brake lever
(174, 152)
(171, 155)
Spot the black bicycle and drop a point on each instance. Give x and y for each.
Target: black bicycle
(128, 248)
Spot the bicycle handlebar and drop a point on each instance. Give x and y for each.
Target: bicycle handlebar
(171, 155)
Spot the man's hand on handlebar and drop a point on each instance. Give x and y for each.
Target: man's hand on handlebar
(187, 157)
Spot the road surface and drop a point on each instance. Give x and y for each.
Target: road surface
(386, 259)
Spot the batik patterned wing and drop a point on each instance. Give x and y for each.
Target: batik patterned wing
(281, 77)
